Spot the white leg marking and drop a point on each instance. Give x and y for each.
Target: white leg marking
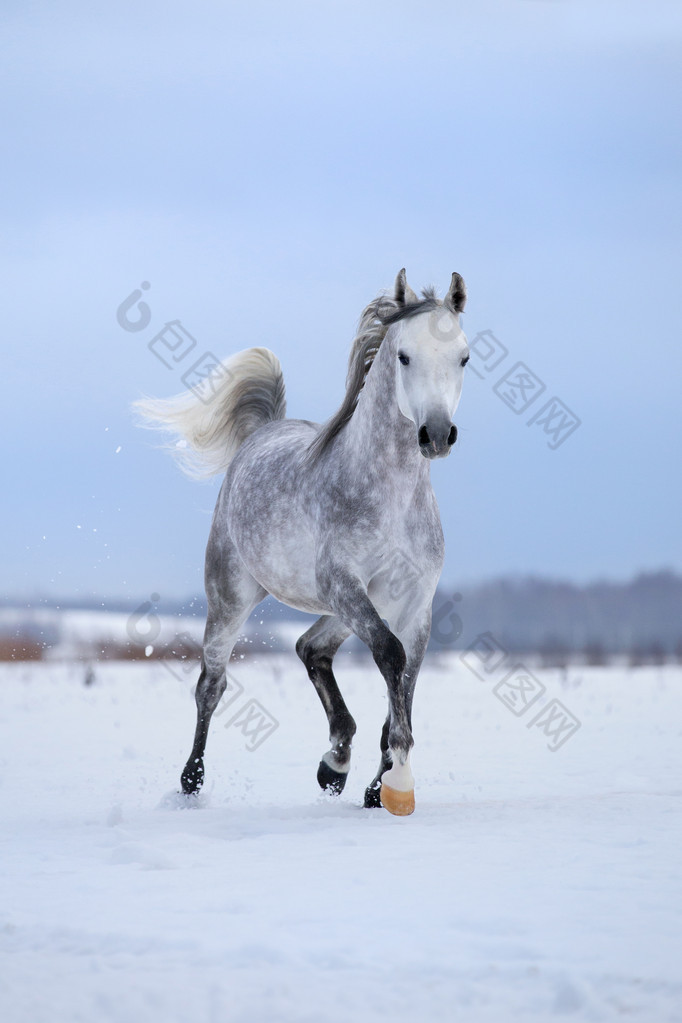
(399, 777)
(331, 761)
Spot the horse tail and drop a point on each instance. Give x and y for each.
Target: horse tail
(211, 421)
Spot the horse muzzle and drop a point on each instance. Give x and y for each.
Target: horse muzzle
(436, 439)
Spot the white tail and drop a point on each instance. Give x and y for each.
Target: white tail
(213, 420)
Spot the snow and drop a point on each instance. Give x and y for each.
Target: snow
(79, 630)
(528, 884)
(81, 634)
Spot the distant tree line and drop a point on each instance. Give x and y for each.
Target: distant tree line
(639, 621)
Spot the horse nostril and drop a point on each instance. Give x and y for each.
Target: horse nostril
(424, 436)
(452, 436)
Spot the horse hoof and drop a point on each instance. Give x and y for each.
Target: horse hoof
(399, 803)
(192, 777)
(372, 799)
(330, 780)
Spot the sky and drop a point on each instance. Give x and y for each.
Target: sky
(267, 169)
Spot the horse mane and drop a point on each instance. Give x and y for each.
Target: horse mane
(375, 320)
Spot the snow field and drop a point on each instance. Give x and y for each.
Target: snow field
(527, 885)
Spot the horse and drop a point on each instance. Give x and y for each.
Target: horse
(330, 519)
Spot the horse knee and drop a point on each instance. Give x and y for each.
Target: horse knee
(389, 656)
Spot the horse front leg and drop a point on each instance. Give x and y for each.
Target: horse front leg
(349, 599)
(415, 640)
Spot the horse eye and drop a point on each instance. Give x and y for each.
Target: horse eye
(465, 360)
(405, 359)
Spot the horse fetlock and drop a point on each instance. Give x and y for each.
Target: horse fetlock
(341, 733)
(400, 743)
(338, 756)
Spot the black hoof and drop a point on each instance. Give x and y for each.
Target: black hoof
(329, 779)
(192, 777)
(373, 797)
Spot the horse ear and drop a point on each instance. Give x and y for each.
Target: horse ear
(457, 295)
(404, 294)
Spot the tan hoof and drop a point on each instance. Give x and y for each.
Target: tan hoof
(399, 803)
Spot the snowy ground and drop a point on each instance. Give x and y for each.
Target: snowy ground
(528, 885)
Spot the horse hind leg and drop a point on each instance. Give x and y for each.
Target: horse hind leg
(226, 615)
(316, 648)
(210, 688)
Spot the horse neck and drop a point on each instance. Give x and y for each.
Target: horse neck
(378, 432)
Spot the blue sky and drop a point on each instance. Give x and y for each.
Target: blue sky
(267, 169)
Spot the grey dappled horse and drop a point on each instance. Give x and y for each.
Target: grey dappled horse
(323, 517)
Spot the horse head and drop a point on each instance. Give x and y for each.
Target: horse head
(431, 352)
